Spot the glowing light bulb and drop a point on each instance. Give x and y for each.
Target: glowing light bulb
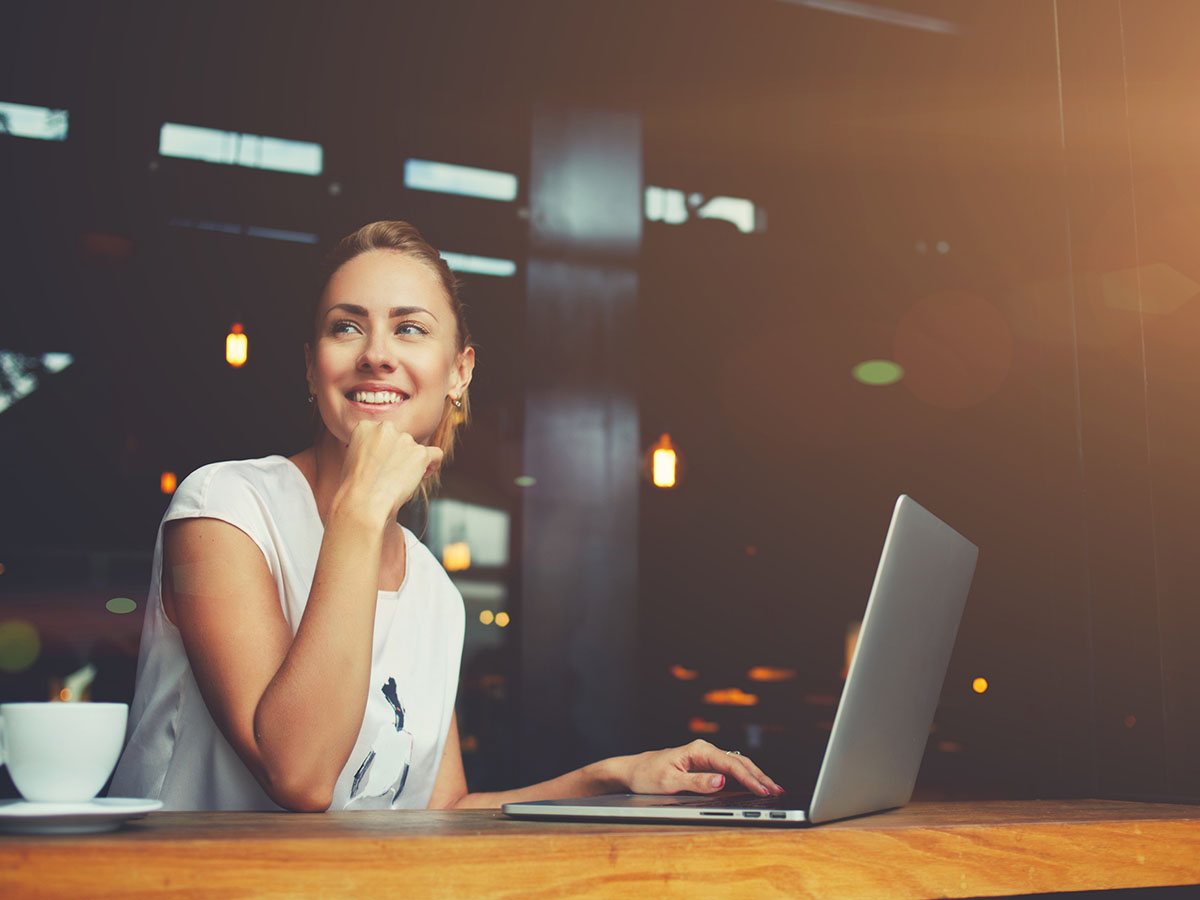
(456, 557)
(663, 463)
(236, 346)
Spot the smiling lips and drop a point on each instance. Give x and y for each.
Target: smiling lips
(376, 398)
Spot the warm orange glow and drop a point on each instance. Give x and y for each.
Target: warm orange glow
(486, 617)
(730, 697)
(502, 619)
(684, 674)
(697, 725)
(167, 483)
(767, 673)
(64, 694)
(979, 685)
(1, 568)
(456, 557)
(235, 346)
(949, 747)
(663, 463)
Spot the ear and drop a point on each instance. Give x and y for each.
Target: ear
(308, 367)
(460, 375)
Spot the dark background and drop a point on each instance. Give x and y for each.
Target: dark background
(1007, 206)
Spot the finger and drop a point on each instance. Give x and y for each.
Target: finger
(742, 769)
(703, 783)
(757, 773)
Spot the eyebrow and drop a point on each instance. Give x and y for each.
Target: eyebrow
(396, 312)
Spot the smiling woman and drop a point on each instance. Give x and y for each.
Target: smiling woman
(301, 648)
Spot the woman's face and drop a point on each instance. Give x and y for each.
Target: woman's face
(387, 347)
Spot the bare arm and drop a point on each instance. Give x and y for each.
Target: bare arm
(698, 766)
(291, 707)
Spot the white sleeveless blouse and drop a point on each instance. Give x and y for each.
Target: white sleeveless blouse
(176, 753)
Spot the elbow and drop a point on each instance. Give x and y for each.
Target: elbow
(436, 802)
(296, 788)
(301, 796)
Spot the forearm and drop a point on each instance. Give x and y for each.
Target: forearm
(608, 776)
(310, 714)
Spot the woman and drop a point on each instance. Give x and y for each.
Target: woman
(301, 648)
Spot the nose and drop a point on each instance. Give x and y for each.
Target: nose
(377, 355)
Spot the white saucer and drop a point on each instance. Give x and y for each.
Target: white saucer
(101, 814)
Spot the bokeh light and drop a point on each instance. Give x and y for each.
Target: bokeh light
(877, 372)
(236, 346)
(456, 557)
(731, 697)
(684, 674)
(120, 605)
(486, 617)
(168, 482)
(502, 619)
(979, 685)
(663, 459)
(19, 645)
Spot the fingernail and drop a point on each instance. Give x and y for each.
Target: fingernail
(718, 780)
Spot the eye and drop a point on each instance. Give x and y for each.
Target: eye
(411, 328)
(343, 326)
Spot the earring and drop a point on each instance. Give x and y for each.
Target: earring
(311, 398)
(457, 402)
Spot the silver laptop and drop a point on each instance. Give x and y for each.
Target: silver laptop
(887, 704)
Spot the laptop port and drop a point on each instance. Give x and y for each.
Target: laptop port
(751, 814)
(778, 814)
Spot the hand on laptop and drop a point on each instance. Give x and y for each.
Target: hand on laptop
(698, 767)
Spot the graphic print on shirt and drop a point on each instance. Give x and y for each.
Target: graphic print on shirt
(380, 777)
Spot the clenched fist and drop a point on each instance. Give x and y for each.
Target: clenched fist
(384, 466)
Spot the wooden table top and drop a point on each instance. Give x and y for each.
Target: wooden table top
(924, 850)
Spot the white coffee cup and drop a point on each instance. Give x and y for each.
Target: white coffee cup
(61, 752)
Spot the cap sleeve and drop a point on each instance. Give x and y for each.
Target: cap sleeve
(222, 491)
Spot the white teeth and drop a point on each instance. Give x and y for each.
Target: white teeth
(376, 397)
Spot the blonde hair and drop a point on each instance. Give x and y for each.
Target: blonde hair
(401, 237)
